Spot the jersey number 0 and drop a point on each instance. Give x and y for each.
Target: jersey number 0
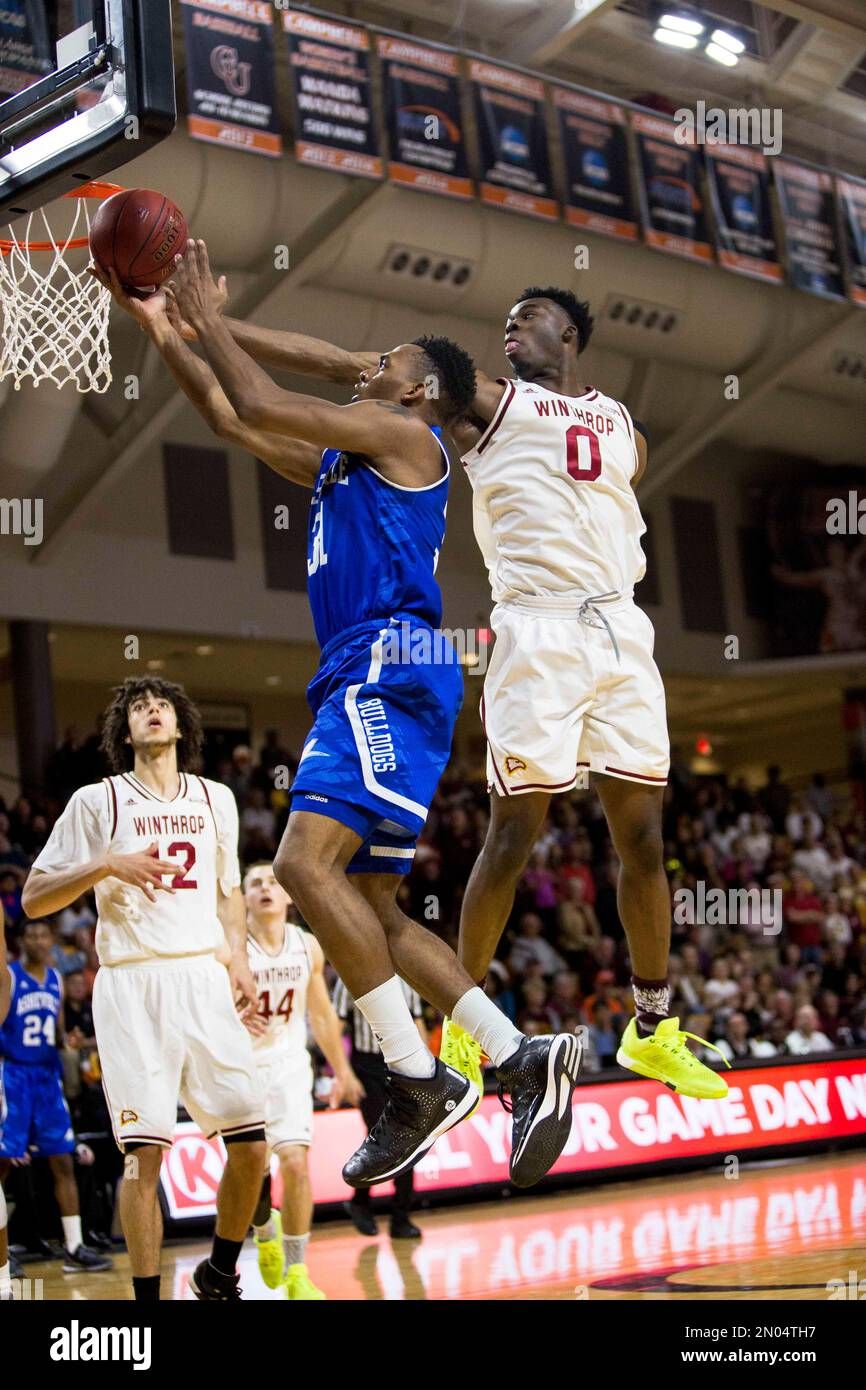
(582, 453)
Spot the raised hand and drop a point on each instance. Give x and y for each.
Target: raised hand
(196, 293)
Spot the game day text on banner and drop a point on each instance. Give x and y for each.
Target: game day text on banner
(808, 213)
(512, 140)
(230, 74)
(739, 184)
(672, 209)
(423, 117)
(330, 67)
(598, 192)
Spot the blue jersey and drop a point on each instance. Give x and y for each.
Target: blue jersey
(373, 546)
(29, 1033)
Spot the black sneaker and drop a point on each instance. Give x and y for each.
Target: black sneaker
(211, 1286)
(361, 1218)
(404, 1229)
(540, 1078)
(419, 1109)
(84, 1260)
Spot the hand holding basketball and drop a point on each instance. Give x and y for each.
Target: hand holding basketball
(197, 295)
(144, 311)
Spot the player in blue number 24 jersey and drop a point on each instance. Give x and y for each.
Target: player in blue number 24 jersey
(34, 1116)
(384, 709)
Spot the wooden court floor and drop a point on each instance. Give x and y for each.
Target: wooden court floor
(781, 1230)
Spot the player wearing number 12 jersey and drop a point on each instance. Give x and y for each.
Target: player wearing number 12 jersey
(159, 846)
(572, 687)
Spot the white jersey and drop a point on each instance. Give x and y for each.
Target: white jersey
(282, 980)
(554, 510)
(198, 828)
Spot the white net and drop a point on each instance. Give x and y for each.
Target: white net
(55, 317)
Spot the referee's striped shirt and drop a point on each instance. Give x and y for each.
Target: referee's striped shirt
(362, 1035)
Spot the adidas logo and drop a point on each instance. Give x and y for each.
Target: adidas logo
(130, 802)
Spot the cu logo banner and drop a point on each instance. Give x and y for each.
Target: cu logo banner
(228, 68)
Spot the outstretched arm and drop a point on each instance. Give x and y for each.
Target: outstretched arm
(328, 1032)
(291, 458)
(295, 352)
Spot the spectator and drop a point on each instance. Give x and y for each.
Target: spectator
(720, 989)
(257, 827)
(813, 860)
(800, 819)
(804, 916)
(578, 928)
(806, 1037)
(530, 947)
(564, 995)
(820, 799)
(536, 1008)
(602, 1036)
(76, 915)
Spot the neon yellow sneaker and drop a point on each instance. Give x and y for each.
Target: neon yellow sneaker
(272, 1263)
(665, 1056)
(459, 1050)
(299, 1285)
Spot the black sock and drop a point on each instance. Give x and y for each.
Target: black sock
(262, 1213)
(146, 1289)
(224, 1256)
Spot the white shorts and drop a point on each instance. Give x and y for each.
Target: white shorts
(558, 702)
(167, 1029)
(287, 1083)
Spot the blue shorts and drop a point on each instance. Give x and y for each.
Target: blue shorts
(385, 700)
(35, 1117)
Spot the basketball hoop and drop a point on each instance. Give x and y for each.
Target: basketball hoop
(55, 320)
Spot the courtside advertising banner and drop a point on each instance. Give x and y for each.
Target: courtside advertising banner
(672, 207)
(422, 113)
(739, 186)
(620, 1124)
(852, 206)
(808, 214)
(230, 74)
(512, 140)
(330, 67)
(598, 192)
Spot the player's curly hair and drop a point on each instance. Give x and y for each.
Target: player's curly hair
(115, 731)
(455, 371)
(577, 310)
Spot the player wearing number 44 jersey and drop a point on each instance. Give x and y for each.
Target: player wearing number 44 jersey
(159, 846)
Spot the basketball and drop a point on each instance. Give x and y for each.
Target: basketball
(138, 233)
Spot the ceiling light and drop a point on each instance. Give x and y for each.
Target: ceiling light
(681, 23)
(674, 39)
(205, 649)
(721, 55)
(469, 659)
(156, 664)
(729, 41)
(272, 680)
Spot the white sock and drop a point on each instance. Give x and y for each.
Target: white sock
(488, 1025)
(5, 1277)
(296, 1249)
(390, 1018)
(72, 1236)
(266, 1232)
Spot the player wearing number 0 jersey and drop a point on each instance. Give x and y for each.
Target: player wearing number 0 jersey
(572, 687)
(288, 967)
(158, 844)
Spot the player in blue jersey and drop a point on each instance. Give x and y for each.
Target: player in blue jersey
(5, 996)
(383, 723)
(36, 1118)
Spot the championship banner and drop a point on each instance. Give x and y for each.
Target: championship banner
(330, 66)
(230, 74)
(672, 209)
(598, 193)
(806, 206)
(852, 206)
(26, 50)
(422, 114)
(512, 140)
(739, 184)
(615, 1125)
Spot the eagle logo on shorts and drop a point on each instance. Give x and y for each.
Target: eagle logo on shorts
(513, 765)
(128, 1117)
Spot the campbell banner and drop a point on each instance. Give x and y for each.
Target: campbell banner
(423, 118)
(230, 74)
(808, 215)
(598, 192)
(672, 206)
(616, 1124)
(739, 185)
(330, 67)
(512, 140)
(851, 194)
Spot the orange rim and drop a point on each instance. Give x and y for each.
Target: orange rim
(97, 190)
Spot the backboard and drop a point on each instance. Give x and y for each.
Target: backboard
(85, 86)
